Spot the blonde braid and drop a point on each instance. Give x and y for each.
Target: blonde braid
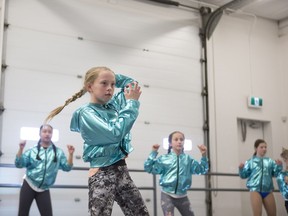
(68, 101)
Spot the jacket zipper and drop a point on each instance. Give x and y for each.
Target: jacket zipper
(261, 175)
(45, 164)
(177, 174)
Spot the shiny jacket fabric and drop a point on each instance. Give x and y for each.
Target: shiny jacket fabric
(283, 186)
(175, 170)
(259, 171)
(42, 173)
(105, 129)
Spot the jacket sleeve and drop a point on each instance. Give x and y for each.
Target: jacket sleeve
(245, 172)
(276, 169)
(63, 161)
(282, 185)
(199, 168)
(122, 81)
(152, 164)
(23, 160)
(119, 100)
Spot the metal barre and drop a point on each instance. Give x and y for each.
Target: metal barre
(140, 188)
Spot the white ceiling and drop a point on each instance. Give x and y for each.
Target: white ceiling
(270, 9)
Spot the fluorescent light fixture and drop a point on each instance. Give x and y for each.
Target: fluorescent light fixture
(32, 134)
(187, 144)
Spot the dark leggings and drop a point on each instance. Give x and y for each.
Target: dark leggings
(286, 205)
(27, 195)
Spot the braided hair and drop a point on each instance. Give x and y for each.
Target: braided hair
(38, 150)
(90, 77)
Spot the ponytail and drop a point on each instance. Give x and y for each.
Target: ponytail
(68, 101)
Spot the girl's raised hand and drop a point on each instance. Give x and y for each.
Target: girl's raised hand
(71, 149)
(133, 91)
(241, 165)
(202, 149)
(155, 147)
(22, 144)
(278, 162)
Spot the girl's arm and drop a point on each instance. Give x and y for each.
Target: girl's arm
(152, 165)
(21, 148)
(277, 167)
(66, 164)
(22, 159)
(203, 166)
(200, 168)
(244, 170)
(71, 150)
(282, 185)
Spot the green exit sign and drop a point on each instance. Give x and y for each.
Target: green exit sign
(255, 102)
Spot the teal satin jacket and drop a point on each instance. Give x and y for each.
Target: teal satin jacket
(105, 129)
(42, 173)
(259, 172)
(175, 170)
(283, 186)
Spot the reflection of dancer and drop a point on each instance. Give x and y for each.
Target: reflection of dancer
(105, 125)
(42, 163)
(259, 170)
(175, 169)
(282, 178)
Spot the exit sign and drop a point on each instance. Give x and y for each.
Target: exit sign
(255, 102)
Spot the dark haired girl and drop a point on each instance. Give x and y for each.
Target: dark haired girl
(42, 163)
(259, 170)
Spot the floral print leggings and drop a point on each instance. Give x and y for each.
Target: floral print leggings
(114, 183)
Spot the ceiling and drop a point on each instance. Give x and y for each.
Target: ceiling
(270, 9)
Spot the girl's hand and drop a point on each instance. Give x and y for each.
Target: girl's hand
(241, 165)
(286, 179)
(133, 91)
(71, 149)
(202, 149)
(155, 147)
(278, 162)
(22, 144)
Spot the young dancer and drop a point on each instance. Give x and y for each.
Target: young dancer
(259, 170)
(105, 125)
(42, 163)
(175, 169)
(282, 178)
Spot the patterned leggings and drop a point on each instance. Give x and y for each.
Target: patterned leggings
(168, 204)
(114, 183)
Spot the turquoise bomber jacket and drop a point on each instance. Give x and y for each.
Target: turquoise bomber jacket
(282, 185)
(175, 170)
(105, 129)
(42, 173)
(260, 171)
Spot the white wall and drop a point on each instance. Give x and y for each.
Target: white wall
(246, 57)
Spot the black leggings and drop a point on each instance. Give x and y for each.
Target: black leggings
(286, 205)
(27, 195)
